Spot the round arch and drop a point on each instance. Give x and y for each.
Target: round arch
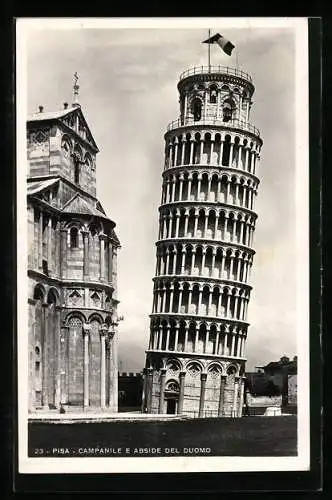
(39, 292)
(74, 314)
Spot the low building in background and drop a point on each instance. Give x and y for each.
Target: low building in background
(274, 384)
(130, 391)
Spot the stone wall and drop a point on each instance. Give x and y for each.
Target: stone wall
(292, 390)
(263, 401)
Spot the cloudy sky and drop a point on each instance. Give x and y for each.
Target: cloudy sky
(128, 93)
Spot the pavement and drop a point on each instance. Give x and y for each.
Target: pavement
(98, 416)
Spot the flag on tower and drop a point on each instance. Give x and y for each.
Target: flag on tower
(223, 43)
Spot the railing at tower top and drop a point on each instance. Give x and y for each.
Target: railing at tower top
(213, 120)
(225, 70)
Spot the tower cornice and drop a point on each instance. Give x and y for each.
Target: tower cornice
(208, 205)
(70, 282)
(200, 317)
(211, 125)
(210, 169)
(215, 74)
(194, 355)
(202, 280)
(201, 241)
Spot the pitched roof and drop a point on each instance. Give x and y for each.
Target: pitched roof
(58, 115)
(50, 115)
(35, 187)
(79, 205)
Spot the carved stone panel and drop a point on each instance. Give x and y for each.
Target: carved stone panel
(74, 297)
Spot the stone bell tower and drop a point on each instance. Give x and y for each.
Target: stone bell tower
(195, 362)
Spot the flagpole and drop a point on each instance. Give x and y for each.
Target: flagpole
(209, 53)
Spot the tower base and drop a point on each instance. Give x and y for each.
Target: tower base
(194, 386)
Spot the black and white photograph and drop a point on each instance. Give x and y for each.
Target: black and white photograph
(163, 245)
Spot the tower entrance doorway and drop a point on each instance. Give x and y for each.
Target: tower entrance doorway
(172, 397)
(171, 406)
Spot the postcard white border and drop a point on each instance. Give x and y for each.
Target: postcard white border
(171, 464)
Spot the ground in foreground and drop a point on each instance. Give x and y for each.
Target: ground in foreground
(248, 436)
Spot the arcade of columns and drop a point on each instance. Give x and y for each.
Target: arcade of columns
(195, 360)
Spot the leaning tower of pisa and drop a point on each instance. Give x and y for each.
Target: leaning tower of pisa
(195, 361)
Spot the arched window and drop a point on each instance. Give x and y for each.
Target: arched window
(197, 109)
(74, 237)
(172, 386)
(213, 94)
(77, 157)
(66, 147)
(88, 160)
(228, 108)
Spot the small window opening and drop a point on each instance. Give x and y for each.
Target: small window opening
(197, 109)
(213, 96)
(227, 111)
(45, 267)
(76, 172)
(73, 237)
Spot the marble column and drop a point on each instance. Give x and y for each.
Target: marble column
(103, 332)
(149, 389)
(180, 299)
(196, 339)
(49, 246)
(240, 408)
(189, 188)
(231, 154)
(221, 151)
(40, 241)
(186, 220)
(233, 344)
(192, 261)
(176, 338)
(191, 152)
(114, 269)
(85, 235)
(174, 261)
(214, 252)
(202, 395)
(181, 392)
(221, 395)
(183, 260)
(235, 399)
(44, 349)
(183, 146)
(181, 187)
(86, 333)
(195, 226)
(177, 223)
(102, 256)
(63, 364)
(206, 221)
(162, 391)
(63, 253)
